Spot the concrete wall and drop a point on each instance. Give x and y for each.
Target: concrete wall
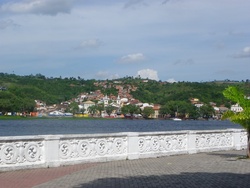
(22, 152)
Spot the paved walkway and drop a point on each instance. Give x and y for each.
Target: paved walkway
(217, 169)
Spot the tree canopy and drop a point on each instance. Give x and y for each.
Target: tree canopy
(243, 118)
(130, 109)
(237, 96)
(147, 112)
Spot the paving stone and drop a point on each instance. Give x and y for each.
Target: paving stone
(203, 170)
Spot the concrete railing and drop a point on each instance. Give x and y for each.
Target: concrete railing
(22, 152)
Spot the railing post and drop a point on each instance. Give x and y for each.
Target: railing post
(133, 146)
(191, 146)
(52, 151)
(236, 139)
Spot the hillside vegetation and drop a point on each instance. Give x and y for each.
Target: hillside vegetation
(17, 93)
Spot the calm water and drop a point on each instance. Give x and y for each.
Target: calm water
(79, 126)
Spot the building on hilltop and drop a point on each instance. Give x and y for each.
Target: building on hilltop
(236, 108)
(194, 100)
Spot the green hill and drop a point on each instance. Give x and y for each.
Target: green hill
(17, 93)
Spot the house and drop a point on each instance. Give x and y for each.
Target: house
(157, 110)
(87, 104)
(236, 108)
(198, 105)
(144, 105)
(223, 109)
(219, 111)
(3, 88)
(194, 100)
(40, 105)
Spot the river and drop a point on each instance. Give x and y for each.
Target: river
(81, 126)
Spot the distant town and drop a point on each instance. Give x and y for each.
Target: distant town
(85, 102)
(123, 98)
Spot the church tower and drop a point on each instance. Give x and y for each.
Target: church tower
(118, 101)
(106, 100)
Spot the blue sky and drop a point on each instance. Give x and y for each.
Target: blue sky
(168, 40)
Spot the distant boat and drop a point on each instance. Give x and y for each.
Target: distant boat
(60, 114)
(176, 116)
(67, 114)
(177, 119)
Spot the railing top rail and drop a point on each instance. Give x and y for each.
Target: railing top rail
(121, 134)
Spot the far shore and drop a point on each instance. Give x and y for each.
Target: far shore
(3, 117)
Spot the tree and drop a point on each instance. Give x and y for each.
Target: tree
(130, 109)
(109, 109)
(177, 109)
(206, 111)
(92, 110)
(242, 118)
(73, 108)
(125, 109)
(193, 112)
(169, 108)
(147, 112)
(100, 108)
(164, 111)
(82, 110)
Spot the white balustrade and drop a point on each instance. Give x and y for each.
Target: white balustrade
(22, 152)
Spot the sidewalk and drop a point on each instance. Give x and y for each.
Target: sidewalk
(217, 169)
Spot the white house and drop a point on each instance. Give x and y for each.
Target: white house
(146, 105)
(87, 104)
(236, 108)
(198, 105)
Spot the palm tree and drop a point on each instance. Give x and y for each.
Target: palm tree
(242, 118)
(92, 110)
(100, 108)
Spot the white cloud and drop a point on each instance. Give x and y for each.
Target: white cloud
(102, 74)
(114, 76)
(171, 80)
(164, 34)
(90, 43)
(132, 58)
(245, 53)
(246, 50)
(148, 73)
(46, 7)
(106, 75)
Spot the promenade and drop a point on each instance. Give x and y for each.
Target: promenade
(215, 169)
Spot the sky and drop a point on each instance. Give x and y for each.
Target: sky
(167, 40)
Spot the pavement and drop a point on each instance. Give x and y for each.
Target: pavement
(225, 169)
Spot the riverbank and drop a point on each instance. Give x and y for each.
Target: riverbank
(51, 117)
